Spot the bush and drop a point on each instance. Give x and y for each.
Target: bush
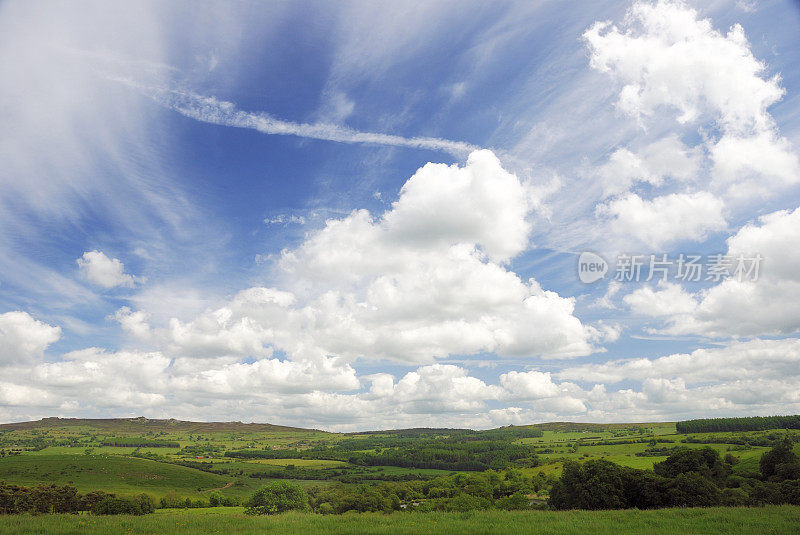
(112, 505)
(780, 463)
(704, 461)
(277, 497)
(597, 484)
(692, 489)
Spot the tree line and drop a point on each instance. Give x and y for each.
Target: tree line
(15, 499)
(749, 423)
(443, 454)
(687, 478)
(133, 442)
(459, 492)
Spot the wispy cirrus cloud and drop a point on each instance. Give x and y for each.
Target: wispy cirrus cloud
(220, 112)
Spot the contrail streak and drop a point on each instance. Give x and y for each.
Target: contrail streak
(214, 111)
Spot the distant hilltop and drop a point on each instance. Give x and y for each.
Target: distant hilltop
(142, 424)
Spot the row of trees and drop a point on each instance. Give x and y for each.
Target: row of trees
(16, 499)
(458, 492)
(463, 454)
(687, 478)
(751, 423)
(136, 442)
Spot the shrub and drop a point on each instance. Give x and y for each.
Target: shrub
(113, 505)
(277, 497)
(780, 463)
(704, 461)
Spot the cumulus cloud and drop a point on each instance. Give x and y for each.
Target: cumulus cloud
(665, 220)
(425, 280)
(667, 299)
(751, 165)
(653, 164)
(666, 56)
(529, 385)
(266, 377)
(440, 388)
(668, 59)
(739, 306)
(23, 338)
(329, 394)
(104, 271)
(774, 359)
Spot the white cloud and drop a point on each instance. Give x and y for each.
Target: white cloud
(754, 165)
(763, 359)
(653, 164)
(666, 219)
(103, 379)
(607, 301)
(23, 338)
(134, 323)
(667, 300)
(220, 112)
(104, 271)
(329, 394)
(669, 59)
(665, 56)
(268, 376)
(441, 388)
(529, 385)
(739, 308)
(479, 203)
(285, 219)
(423, 281)
(336, 108)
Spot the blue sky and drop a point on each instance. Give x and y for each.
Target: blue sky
(360, 215)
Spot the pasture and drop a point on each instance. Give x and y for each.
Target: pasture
(773, 520)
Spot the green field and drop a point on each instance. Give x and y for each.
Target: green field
(724, 521)
(123, 475)
(179, 461)
(74, 452)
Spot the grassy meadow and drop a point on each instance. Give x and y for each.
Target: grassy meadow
(724, 521)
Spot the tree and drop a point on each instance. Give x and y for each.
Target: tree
(597, 484)
(215, 499)
(705, 461)
(277, 497)
(113, 505)
(780, 463)
(693, 490)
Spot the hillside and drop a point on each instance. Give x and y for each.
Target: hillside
(144, 425)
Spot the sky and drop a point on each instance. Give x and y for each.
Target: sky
(370, 215)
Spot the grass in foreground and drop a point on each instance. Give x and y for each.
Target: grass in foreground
(763, 521)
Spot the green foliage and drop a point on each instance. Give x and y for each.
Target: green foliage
(687, 478)
(65, 499)
(135, 442)
(112, 505)
(704, 461)
(462, 452)
(780, 463)
(596, 484)
(752, 423)
(277, 497)
(692, 489)
(41, 499)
